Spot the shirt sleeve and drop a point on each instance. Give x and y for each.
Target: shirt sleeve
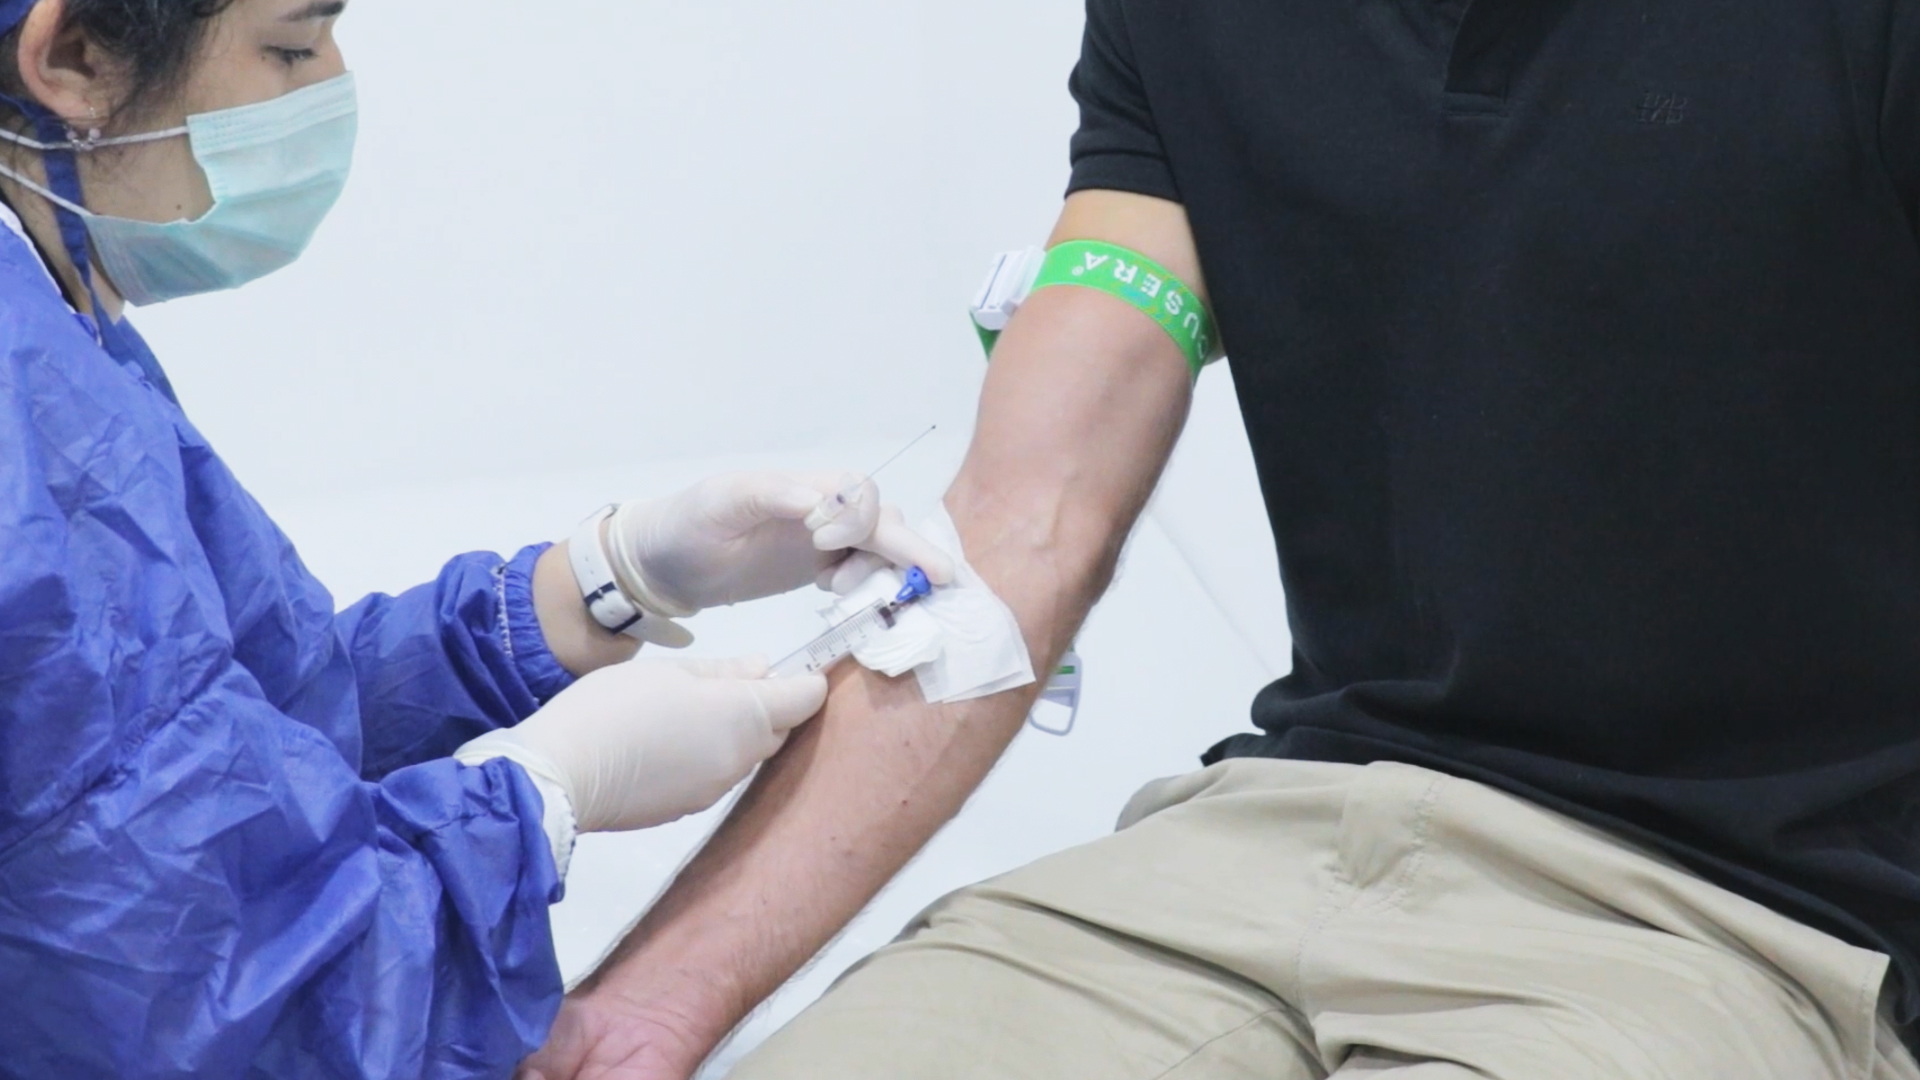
(1117, 146)
(445, 663)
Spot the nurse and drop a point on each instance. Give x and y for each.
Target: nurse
(241, 835)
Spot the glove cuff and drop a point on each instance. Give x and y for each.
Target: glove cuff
(556, 797)
(627, 570)
(610, 602)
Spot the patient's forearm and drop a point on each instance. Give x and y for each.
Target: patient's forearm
(1081, 408)
(822, 829)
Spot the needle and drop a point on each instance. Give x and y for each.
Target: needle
(903, 451)
(831, 507)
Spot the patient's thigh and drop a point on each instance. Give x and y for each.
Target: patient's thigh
(986, 986)
(1160, 951)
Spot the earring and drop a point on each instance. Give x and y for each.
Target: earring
(93, 130)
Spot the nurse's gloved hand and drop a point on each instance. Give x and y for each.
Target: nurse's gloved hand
(744, 536)
(651, 741)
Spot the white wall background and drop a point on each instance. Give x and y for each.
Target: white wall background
(601, 248)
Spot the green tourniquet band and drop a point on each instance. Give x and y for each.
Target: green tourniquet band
(1139, 281)
(987, 338)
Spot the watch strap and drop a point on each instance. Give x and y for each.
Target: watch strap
(607, 604)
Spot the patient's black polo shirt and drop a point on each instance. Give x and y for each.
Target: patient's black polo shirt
(1579, 346)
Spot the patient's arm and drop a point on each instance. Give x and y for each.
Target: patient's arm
(1083, 402)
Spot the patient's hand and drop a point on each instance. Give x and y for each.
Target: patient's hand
(597, 1037)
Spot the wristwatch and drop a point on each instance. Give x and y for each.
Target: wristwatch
(607, 603)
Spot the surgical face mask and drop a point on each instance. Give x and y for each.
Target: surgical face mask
(274, 168)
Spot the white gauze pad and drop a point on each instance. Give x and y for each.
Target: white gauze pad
(960, 643)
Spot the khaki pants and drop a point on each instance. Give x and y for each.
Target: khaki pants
(1286, 920)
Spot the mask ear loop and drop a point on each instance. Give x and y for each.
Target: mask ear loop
(57, 143)
(63, 176)
(59, 146)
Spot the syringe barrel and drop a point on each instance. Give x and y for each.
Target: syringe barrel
(836, 644)
(800, 663)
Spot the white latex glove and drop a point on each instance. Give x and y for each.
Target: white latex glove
(744, 536)
(651, 741)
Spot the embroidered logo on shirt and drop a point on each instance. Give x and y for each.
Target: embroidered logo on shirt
(1659, 108)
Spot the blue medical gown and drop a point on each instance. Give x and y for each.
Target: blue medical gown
(231, 842)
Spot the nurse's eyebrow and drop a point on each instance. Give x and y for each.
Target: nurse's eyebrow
(319, 9)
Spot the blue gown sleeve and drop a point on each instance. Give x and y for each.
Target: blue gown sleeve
(234, 902)
(449, 661)
(195, 878)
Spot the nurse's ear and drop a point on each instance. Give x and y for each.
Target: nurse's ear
(67, 71)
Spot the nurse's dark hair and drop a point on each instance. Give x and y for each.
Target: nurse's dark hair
(158, 40)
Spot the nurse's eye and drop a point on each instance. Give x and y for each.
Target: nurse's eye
(292, 57)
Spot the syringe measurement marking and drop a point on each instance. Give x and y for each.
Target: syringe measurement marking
(837, 643)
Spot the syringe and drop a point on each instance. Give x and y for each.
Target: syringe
(838, 643)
